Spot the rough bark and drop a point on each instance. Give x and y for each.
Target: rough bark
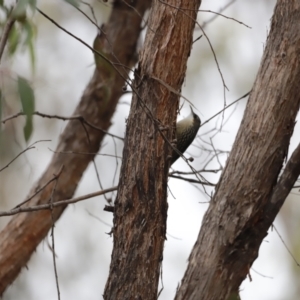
(25, 231)
(248, 196)
(141, 204)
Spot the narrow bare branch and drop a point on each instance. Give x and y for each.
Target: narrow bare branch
(63, 118)
(22, 152)
(48, 206)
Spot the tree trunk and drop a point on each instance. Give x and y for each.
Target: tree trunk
(141, 204)
(249, 195)
(117, 42)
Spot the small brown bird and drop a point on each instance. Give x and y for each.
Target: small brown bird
(186, 131)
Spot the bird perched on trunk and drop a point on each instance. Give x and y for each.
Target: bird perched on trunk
(186, 131)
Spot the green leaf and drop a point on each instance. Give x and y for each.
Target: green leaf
(73, 2)
(20, 9)
(27, 100)
(19, 12)
(13, 40)
(29, 29)
(32, 54)
(28, 128)
(32, 4)
(26, 95)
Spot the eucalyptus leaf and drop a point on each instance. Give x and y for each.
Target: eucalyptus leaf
(28, 103)
(20, 9)
(32, 4)
(13, 40)
(30, 31)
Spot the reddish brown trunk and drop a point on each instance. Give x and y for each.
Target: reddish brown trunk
(141, 204)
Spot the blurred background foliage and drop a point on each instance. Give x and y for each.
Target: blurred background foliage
(45, 70)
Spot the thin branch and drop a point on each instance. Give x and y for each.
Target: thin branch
(229, 18)
(262, 275)
(227, 106)
(216, 154)
(85, 153)
(17, 210)
(100, 220)
(23, 151)
(90, 19)
(79, 118)
(286, 247)
(98, 179)
(52, 233)
(92, 10)
(192, 180)
(127, 80)
(167, 86)
(38, 191)
(220, 11)
(191, 173)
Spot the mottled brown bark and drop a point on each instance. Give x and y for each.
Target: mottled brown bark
(248, 196)
(141, 205)
(25, 231)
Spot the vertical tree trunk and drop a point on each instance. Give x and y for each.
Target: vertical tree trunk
(239, 216)
(118, 42)
(141, 205)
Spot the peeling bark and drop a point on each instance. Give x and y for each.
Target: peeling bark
(141, 206)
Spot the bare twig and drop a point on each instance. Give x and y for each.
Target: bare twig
(79, 118)
(85, 153)
(90, 19)
(216, 155)
(99, 181)
(286, 247)
(220, 11)
(38, 191)
(17, 210)
(191, 173)
(126, 79)
(260, 274)
(109, 208)
(100, 220)
(227, 106)
(23, 151)
(167, 86)
(52, 233)
(219, 14)
(193, 180)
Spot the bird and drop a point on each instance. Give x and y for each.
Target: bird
(186, 131)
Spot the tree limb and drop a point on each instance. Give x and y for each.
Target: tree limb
(248, 196)
(25, 231)
(140, 210)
